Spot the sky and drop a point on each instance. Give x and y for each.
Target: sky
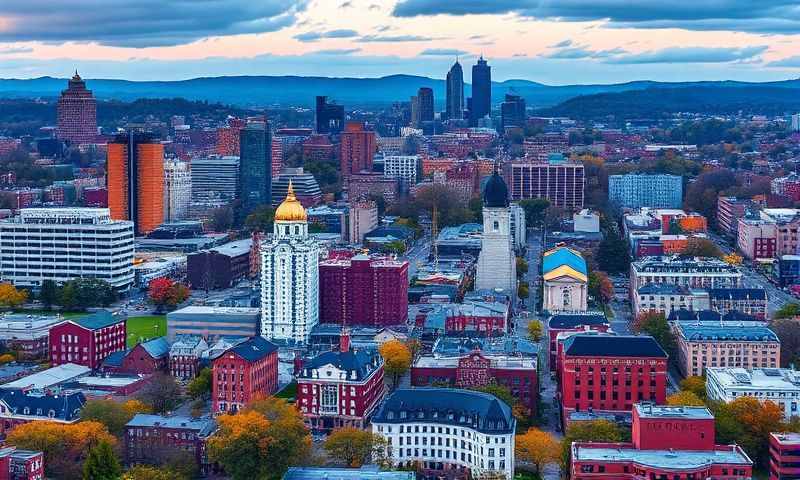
(549, 41)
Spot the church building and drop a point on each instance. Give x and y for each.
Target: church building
(497, 268)
(565, 280)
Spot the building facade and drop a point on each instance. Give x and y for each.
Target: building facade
(405, 168)
(446, 432)
(362, 218)
(750, 301)
(87, 340)
(480, 104)
(62, 244)
(561, 183)
(357, 149)
(340, 389)
(454, 108)
(637, 190)
(497, 267)
(243, 372)
(572, 322)
(780, 386)
(135, 178)
(184, 356)
(329, 117)
(177, 190)
(215, 178)
(152, 439)
(565, 281)
(363, 291)
(719, 344)
(77, 113)
(213, 323)
(666, 297)
(784, 448)
(255, 167)
(692, 273)
(289, 276)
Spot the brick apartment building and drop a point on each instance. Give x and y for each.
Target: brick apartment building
(601, 373)
(153, 438)
(358, 147)
(363, 290)
(21, 464)
(244, 372)
(751, 301)
(340, 389)
(87, 340)
(573, 322)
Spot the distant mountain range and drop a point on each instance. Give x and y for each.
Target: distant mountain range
(248, 91)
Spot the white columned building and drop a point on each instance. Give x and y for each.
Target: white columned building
(289, 276)
(497, 267)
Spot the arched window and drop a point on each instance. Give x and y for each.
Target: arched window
(567, 298)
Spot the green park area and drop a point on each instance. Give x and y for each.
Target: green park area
(144, 328)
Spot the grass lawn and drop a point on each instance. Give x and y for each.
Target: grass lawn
(144, 328)
(289, 392)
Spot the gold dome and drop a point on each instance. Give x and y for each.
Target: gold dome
(291, 210)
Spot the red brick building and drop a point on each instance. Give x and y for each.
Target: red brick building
(18, 407)
(87, 340)
(573, 322)
(228, 137)
(318, 148)
(602, 373)
(667, 443)
(357, 149)
(244, 372)
(363, 290)
(340, 389)
(143, 359)
(77, 113)
(784, 456)
(489, 361)
(21, 464)
(471, 317)
(152, 439)
(184, 356)
(364, 184)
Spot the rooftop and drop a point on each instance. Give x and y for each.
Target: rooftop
(787, 438)
(48, 378)
(328, 473)
(724, 332)
(562, 261)
(98, 320)
(647, 410)
(203, 426)
(666, 459)
(362, 362)
(255, 348)
(234, 249)
(738, 293)
(755, 379)
(613, 346)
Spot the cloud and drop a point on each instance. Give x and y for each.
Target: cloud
(336, 51)
(569, 52)
(452, 52)
(374, 7)
(562, 44)
(395, 38)
(13, 50)
(790, 62)
(314, 36)
(347, 4)
(765, 16)
(690, 55)
(142, 23)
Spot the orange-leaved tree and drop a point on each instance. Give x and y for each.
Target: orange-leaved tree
(397, 358)
(537, 447)
(11, 296)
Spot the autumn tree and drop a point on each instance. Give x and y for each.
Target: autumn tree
(788, 332)
(6, 358)
(523, 291)
(695, 384)
(354, 447)
(593, 431)
(748, 422)
(537, 447)
(65, 446)
(600, 287)
(113, 414)
(11, 296)
(522, 267)
(147, 472)
(397, 359)
(701, 247)
(732, 259)
(161, 393)
(164, 293)
(535, 330)
(685, 398)
(261, 441)
(200, 386)
(102, 464)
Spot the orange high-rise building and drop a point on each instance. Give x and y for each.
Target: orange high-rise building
(135, 173)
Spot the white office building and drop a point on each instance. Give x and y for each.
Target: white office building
(177, 190)
(641, 190)
(403, 167)
(62, 244)
(289, 276)
(778, 385)
(443, 430)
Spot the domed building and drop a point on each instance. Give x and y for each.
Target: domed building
(497, 267)
(289, 276)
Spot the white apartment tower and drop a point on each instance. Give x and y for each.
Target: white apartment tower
(177, 190)
(289, 276)
(62, 244)
(497, 266)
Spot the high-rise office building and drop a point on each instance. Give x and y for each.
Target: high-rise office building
(135, 173)
(357, 149)
(512, 112)
(481, 100)
(454, 109)
(215, 178)
(329, 116)
(422, 107)
(77, 113)
(255, 167)
(177, 190)
(639, 190)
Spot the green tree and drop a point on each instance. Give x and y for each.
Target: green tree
(594, 431)
(613, 255)
(789, 310)
(200, 386)
(534, 210)
(221, 218)
(261, 219)
(522, 267)
(354, 447)
(49, 294)
(161, 393)
(655, 325)
(600, 287)
(701, 247)
(102, 464)
(111, 413)
(523, 291)
(788, 332)
(397, 247)
(694, 384)
(68, 299)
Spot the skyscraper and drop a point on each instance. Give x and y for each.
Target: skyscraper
(255, 167)
(481, 91)
(289, 276)
(357, 149)
(512, 112)
(329, 116)
(135, 173)
(177, 190)
(77, 113)
(454, 110)
(424, 110)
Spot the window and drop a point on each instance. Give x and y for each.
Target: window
(496, 225)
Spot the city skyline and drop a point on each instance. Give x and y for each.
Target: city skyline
(572, 42)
